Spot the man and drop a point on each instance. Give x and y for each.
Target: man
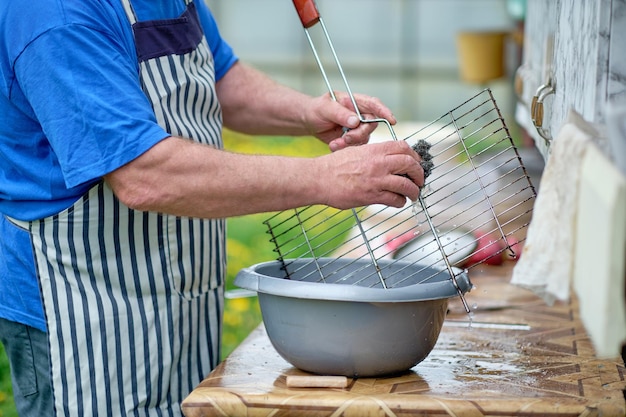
(114, 188)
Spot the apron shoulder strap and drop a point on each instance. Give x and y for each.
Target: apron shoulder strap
(130, 12)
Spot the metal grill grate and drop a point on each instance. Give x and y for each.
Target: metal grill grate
(469, 211)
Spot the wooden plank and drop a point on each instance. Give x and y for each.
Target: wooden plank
(517, 357)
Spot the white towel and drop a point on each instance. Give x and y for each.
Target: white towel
(546, 264)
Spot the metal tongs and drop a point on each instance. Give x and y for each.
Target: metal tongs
(310, 16)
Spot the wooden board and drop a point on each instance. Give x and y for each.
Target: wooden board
(599, 267)
(518, 357)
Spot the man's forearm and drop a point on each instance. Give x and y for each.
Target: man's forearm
(181, 177)
(253, 103)
(184, 178)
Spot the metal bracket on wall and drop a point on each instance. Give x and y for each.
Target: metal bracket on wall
(548, 88)
(537, 109)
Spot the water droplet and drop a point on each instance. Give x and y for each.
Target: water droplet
(471, 319)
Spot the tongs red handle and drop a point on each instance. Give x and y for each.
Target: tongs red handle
(307, 10)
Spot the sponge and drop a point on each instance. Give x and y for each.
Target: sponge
(422, 148)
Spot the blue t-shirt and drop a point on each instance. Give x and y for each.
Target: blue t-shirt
(71, 111)
(19, 288)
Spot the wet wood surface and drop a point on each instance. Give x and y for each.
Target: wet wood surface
(512, 356)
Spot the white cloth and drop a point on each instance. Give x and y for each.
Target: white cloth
(546, 264)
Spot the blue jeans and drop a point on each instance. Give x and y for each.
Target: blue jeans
(27, 350)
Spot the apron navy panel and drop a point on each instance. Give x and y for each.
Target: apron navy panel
(157, 38)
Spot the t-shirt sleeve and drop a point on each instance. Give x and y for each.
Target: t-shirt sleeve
(223, 53)
(83, 87)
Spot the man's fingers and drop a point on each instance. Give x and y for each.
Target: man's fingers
(414, 172)
(372, 106)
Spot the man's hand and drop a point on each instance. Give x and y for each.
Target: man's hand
(380, 173)
(329, 120)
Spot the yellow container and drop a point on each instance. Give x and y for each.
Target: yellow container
(481, 55)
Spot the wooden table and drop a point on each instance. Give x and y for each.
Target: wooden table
(517, 357)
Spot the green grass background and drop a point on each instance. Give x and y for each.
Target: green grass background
(247, 242)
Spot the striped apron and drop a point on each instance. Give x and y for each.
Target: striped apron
(133, 300)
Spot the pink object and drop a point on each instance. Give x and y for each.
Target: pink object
(490, 249)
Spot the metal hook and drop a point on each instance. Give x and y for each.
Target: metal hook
(537, 109)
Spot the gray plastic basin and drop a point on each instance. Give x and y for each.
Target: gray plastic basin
(345, 327)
